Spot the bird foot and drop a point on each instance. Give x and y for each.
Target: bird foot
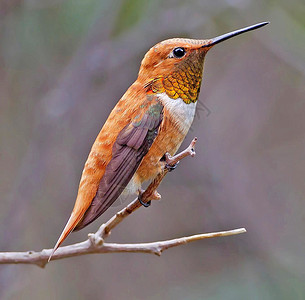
(170, 162)
(154, 196)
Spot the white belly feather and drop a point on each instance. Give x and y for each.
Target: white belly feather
(183, 113)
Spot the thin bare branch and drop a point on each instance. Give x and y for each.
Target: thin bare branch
(148, 194)
(95, 242)
(92, 246)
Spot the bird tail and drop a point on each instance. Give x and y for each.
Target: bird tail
(72, 222)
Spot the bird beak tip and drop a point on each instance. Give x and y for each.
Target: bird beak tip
(211, 42)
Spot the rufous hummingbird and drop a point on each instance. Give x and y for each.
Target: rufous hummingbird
(151, 119)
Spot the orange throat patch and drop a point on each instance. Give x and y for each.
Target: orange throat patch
(182, 83)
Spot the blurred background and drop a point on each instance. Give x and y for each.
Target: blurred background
(64, 65)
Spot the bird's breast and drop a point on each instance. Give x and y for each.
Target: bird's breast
(181, 113)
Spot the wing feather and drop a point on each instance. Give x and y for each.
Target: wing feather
(131, 145)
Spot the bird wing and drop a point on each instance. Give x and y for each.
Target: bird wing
(130, 146)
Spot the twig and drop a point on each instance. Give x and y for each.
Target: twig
(89, 247)
(95, 242)
(148, 194)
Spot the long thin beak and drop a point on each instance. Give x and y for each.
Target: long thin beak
(229, 35)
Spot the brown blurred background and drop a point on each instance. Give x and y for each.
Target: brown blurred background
(64, 65)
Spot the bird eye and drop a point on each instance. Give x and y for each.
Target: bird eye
(179, 52)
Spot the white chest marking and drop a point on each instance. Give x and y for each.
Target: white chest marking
(182, 113)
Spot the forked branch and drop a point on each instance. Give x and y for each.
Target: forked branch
(95, 242)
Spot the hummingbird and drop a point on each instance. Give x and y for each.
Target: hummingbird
(152, 118)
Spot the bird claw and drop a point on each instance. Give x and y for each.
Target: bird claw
(145, 204)
(169, 162)
(155, 196)
(171, 167)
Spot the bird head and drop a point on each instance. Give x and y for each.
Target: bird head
(175, 66)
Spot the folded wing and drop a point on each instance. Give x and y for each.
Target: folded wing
(131, 145)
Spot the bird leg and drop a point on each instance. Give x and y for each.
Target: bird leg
(170, 162)
(145, 204)
(154, 196)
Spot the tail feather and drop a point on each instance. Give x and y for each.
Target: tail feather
(72, 222)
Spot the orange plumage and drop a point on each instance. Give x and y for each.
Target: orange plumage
(152, 118)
